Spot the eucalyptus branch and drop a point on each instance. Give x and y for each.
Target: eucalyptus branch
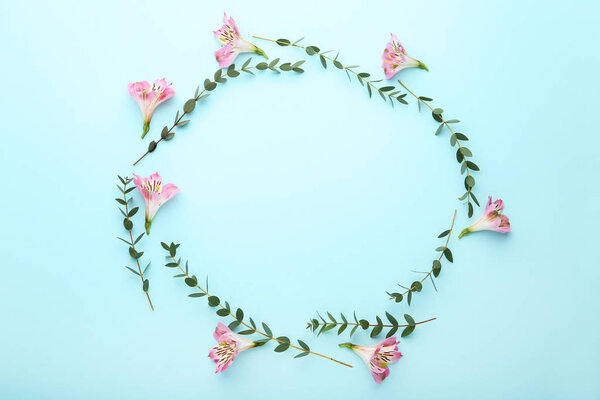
(325, 325)
(386, 92)
(390, 92)
(435, 270)
(224, 310)
(128, 224)
(210, 85)
(455, 137)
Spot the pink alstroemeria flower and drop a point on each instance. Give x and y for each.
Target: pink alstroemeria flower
(229, 345)
(377, 357)
(491, 220)
(395, 59)
(149, 97)
(233, 43)
(155, 194)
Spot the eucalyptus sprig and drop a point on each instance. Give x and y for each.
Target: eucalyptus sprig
(435, 270)
(209, 85)
(462, 152)
(325, 325)
(386, 92)
(223, 309)
(390, 93)
(128, 225)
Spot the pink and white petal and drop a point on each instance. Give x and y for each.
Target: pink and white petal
(167, 94)
(232, 24)
(220, 330)
(380, 376)
(168, 192)
(226, 55)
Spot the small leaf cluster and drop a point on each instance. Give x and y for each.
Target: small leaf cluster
(376, 328)
(223, 309)
(386, 92)
(462, 152)
(435, 270)
(219, 77)
(128, 225)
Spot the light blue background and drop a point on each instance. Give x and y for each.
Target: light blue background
(300, 194)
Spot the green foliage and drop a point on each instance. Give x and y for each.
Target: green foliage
(377, 326)
(128, 225)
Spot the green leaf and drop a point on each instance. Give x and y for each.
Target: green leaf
(282, 347)
(437, 267)
(191, 282)
(460, 136)
(342, 328)
(245, 332)
(409, 319)
(132, 212)
(303, 345)
(439, 129)
(391, 332)
(213, 301)
(286, 67)
(120, 201)
(466, 152)
(416, 286)
(423, 98)
(208, 85)
(247, 63)
(448, 255)
(239, 315)
(267, 330)
(470, 213)
(182, 123)
(409, 297)
(407, 331)
(303, 354)
(273, 63)
(222, 312)
(146, 285)
(386, 88)
(323, 62)
(262, 66)
(364, 324)
(452, 121)
(199, 294)
(469, 181)
(338, 64)
(297, 64)
(354, 330)
(472, 165)
(283, 42)
(133, 270)
(391, 318)
(189, 106)
(444, 234)
(437, 116)
(377, 329)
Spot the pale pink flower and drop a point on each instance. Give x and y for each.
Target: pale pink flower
(229, 345)
(395, 59)
(233, 43)
(155, 194)
(491, 220)
(378, 357)
(149, 97)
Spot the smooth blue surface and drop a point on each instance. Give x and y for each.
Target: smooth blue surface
(300, 194)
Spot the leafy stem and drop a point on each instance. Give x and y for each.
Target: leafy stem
(224, 310)
(128, 224)
(455, 137)
(435, 270)
(210, 85)
(386, 92)
(325, 325)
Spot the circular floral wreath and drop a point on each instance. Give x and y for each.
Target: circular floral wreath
(155, 193)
